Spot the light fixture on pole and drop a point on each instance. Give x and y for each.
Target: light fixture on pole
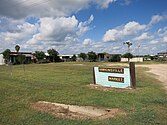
(129, 44)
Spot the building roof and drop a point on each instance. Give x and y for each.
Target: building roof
(27, 54)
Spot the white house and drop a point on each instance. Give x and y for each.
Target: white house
(2, 61)
(137, 59)
(66, 58)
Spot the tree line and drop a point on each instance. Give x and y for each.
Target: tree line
(40, 56)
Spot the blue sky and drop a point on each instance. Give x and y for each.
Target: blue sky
(77, 26)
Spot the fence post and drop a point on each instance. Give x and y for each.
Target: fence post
(132, 75)
(94, 80)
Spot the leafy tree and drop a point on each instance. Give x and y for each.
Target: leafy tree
(92, 56)
(21, 59)
(53, 54)
(6, 55)
(39, 55)
(83, 56)
(17, 48)
(115, 58)
(74, 57)
(128, 55)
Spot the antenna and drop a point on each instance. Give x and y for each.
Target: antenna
(129, 44)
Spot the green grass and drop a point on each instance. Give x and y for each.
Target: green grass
(68, 83)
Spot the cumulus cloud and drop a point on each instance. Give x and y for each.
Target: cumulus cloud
(156, 19)
(154, 42)
(47, 32)
(18, 34)
(55, 27)
(104, 3)
(46, 8)
(162, 33)
(118, 33)
(87, 42)
(116, 47)
(83, 26)
(143, 36)
(62, 32)
(165, 39)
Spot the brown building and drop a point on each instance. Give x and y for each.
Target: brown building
(14, 56)
(105, 57)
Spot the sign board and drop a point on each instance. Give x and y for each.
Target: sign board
(112, 77)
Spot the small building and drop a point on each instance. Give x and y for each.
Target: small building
(136, 59)
(162, 54)
(105, 57)
(14, 56)
(2, 61)
(66, 58)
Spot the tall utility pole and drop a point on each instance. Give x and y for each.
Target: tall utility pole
(138, 52)
(129, 44)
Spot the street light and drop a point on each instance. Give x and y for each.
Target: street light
(129, 44)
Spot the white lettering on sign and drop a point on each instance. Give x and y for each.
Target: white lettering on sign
(112, 70)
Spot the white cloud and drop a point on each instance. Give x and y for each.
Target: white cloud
(18, 34)
(57, 28)
(46, 33)
(104, 3)
(144, 36)
(111, 35)
(46, 8)
(116, 47)
(132, 28)
(156, 19)
(83, 26)
(87, 42)
(154, 42)
(165, 39)
(118, 33)
(61, 31)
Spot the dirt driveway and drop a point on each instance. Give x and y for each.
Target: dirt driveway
(160, 70)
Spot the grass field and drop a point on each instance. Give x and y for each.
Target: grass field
(68, 83)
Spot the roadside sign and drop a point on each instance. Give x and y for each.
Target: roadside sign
(115, 77)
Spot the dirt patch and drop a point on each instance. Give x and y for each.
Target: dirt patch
(116, 64)
(106, 88)
(78, 64)
(160, 70)
(76, 112)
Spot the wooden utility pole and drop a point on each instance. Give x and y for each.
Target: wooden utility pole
(132, 75)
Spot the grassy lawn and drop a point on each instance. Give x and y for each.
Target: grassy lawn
(68, 83)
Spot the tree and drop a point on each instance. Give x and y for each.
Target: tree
(6, 55)
(21, 59)
(39, 55)
(74, 57)
(53, 54)
(92, 56)
(128, 55)
(83, 56)
(17, 48)
(116, 58)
